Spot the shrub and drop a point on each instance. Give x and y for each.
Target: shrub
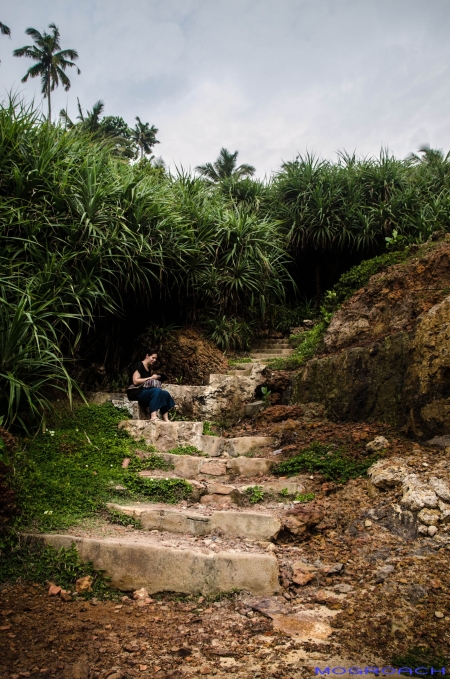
(333, 464)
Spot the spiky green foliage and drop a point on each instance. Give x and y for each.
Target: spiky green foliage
(225, 168)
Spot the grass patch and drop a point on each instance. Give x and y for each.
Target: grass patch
(33, 562)
(333, 464)
(121, 519)
(255, 494)
(306, 345)
(208, 429)
(420, 656)
(169, 491)
(304, 497)
(71, 471)
(187, 450)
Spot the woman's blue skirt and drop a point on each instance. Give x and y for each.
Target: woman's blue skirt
(156, 399)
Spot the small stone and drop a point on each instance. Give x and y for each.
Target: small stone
(378, 443)
(422, 530)
(438, 614)
(367, 523)
(205, 670)
(432, 530)
(140, 594)
(301, 578)
(436, 584)
(65, 596)
(53, 590)
(84, 584)
(142, 668)
(429, 517)
(126, 462)
(383, 573)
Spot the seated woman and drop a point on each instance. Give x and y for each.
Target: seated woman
(153, 398)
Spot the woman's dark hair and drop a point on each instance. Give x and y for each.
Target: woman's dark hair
(150, 352)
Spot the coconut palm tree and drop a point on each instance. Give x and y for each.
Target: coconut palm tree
(225, 168)
(144, 136)
(51, 61)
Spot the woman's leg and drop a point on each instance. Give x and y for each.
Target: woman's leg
(147, 400)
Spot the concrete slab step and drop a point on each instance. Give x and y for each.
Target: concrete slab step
(271, 352)
(142, 561)
(190, 467)
(245, 524)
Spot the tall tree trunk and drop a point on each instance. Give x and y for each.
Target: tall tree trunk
(49, 119)
(142, 150)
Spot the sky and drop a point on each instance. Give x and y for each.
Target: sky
(269, 78)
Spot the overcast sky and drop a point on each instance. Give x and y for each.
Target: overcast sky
(267, 77)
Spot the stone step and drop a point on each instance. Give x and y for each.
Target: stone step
(271, 352)
(271, 345)
(167, 435)
(190, 467)
(245, 524)
(143, 560)
(241, 373)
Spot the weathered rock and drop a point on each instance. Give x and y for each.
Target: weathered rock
(439, 441)
(388, 359)
(222, 399)
(84, 584)
(132, 565)
(388, 473)
(432, 530)
(252, 409)
(417, 495)
(441, 488)
(378, 443)
(430, 517)
(164, 435)
(301, 520)
(383, 572)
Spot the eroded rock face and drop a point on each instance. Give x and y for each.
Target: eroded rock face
(388, 350)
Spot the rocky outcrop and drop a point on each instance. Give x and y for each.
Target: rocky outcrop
(387, 350)
(425, 497)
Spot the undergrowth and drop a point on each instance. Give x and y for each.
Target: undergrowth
(187, 450)
(34, 562)
(306, 345)
(121, 519)
(75, 467)
(255, 494)
(333, 464)
(169, 491)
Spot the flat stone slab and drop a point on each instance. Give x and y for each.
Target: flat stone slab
(246, 525)
(164, 435)
(133, 563)
(189, 466)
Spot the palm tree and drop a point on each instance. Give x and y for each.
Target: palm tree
(144, 136)
(225, 168)
(51, 61)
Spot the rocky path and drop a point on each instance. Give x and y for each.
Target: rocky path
(358, 576)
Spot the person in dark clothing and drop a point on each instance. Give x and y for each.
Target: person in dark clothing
(154, 398)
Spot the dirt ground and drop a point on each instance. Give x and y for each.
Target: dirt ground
(380, 590)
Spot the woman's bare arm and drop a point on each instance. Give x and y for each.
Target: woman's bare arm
(138, 380)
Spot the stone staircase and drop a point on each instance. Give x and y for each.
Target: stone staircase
(265, 349)
(216, 540)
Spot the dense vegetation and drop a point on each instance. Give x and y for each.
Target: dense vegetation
(95, 248)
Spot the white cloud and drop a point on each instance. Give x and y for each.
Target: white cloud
(267, 77)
